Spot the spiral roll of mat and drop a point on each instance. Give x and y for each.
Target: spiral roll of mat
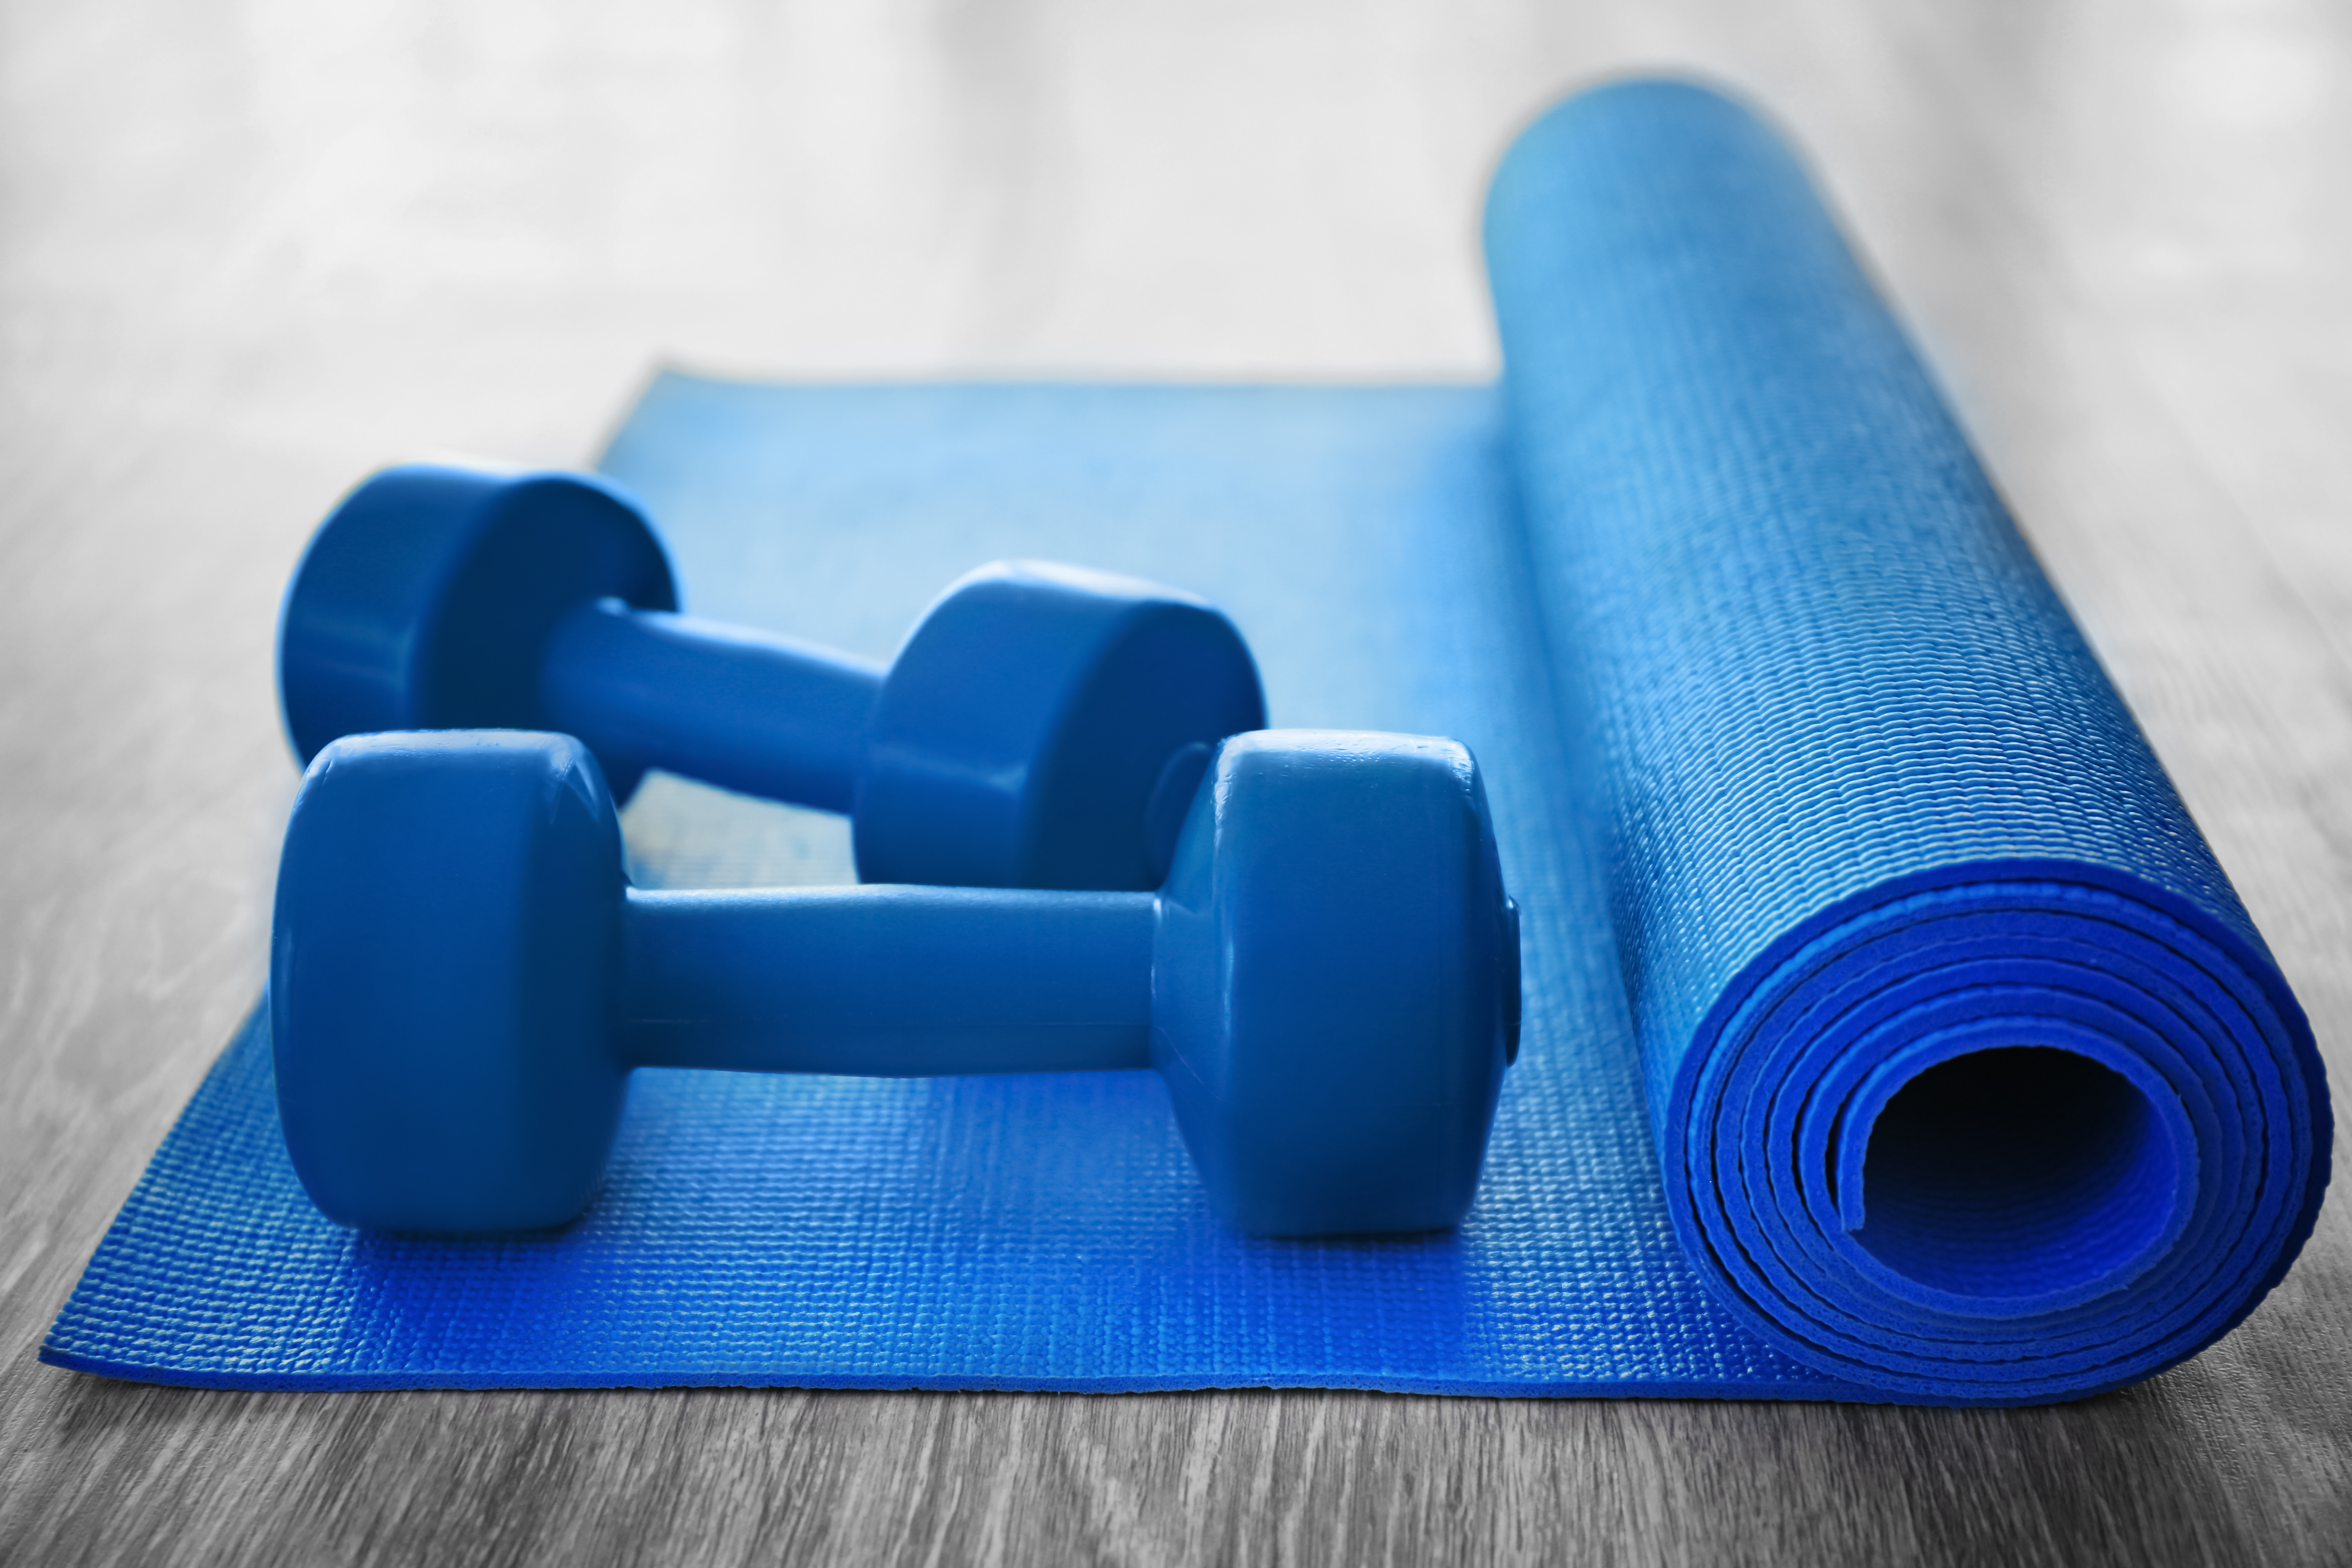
(1970, 1076)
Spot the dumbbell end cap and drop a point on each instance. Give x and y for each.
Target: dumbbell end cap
(1027, 724)
(1336, 983)
(442, 959)
(427, 598)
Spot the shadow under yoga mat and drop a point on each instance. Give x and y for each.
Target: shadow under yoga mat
(1848, 885)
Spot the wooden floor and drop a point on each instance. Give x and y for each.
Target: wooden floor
(250, 251)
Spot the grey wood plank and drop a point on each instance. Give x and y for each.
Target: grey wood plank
(140, 1474)
(247, 253)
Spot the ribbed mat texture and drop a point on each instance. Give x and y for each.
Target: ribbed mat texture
(1970, 1076)
(1892, 1033)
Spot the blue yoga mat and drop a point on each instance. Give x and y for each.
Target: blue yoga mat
(1891, 1032)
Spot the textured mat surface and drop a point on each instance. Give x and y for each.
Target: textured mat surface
(1804, 782)
(1871, 814)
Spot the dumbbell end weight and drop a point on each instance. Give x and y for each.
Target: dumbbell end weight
(1336, 986)
(1030, 722)
(427, 599)
(444, 955)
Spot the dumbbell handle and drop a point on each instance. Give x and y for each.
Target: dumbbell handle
(888, 982)
(746, 710)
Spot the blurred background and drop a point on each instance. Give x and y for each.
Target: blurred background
(250, 251)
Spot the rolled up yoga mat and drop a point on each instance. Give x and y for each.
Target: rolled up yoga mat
(1970, 1076)
(1845, 880)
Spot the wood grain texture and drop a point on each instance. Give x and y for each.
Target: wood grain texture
(250, 251)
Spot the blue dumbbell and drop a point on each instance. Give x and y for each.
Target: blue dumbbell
(461, 980)
(1042, 726)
